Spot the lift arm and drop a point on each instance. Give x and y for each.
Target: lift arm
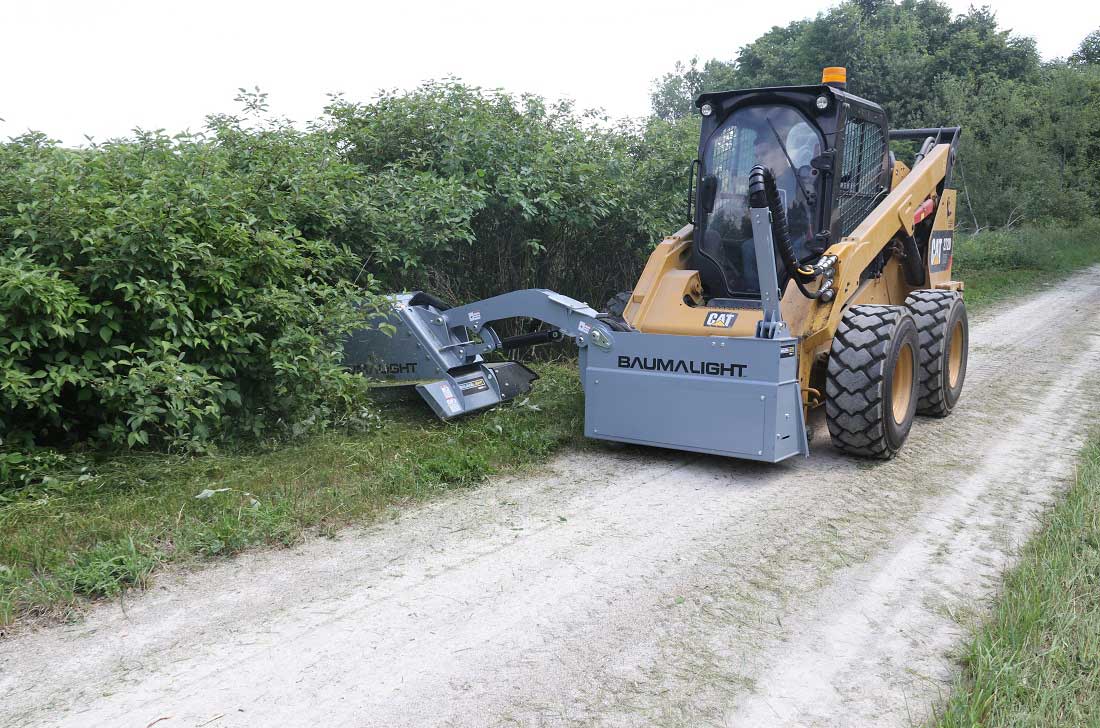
(856, 251)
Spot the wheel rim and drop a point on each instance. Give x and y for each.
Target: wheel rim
(955, 355)
(901, 393)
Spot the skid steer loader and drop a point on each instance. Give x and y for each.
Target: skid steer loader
(816, 271)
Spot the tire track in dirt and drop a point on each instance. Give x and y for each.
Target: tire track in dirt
(621, 586)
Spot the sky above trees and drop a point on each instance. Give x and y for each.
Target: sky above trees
(74, 68)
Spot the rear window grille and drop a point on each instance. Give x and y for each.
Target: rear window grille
(861, 185)
(731, 159)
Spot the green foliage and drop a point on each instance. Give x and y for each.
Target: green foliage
(1028, 152)
(163, 291)
(895, 53)
(553, 198)
(1089, 50)
(1030, 149)
(26, 469)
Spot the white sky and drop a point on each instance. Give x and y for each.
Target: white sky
(102, 67)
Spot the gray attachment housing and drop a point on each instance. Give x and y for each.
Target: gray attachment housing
(734, 396)
(726, 395)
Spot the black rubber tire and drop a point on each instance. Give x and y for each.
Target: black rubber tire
(859, 387)
(938, 314)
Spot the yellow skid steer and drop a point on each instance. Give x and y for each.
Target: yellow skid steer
(816, 271)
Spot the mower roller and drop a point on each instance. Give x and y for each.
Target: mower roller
(816, 271)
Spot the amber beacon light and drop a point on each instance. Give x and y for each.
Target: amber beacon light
(835, 76)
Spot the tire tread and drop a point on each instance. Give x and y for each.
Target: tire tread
(855, 380)
(930, 309)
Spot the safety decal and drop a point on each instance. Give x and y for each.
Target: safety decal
(583, 327)
(785, 351)
(720, 320)
(474, 316)
(450, 399)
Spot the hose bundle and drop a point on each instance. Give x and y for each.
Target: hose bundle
(763, 193)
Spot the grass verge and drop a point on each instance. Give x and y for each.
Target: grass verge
(1036, 662)
(106, 525)
(998, 266)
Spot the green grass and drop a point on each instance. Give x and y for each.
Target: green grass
(998, 266)
(1036, 662)
(105, 526)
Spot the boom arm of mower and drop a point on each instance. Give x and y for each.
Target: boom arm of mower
(440, 351)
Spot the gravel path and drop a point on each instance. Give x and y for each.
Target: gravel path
(622, 587)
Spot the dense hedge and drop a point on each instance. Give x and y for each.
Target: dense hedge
(158, 291)
(519, 193)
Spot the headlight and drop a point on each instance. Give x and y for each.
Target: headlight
(706, 109)
(822, 102)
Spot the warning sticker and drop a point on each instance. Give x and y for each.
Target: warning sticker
(450, 399)
(474, 316)
(583, 327)
(473, 386)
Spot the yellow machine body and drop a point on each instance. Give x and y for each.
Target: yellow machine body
(668, 297)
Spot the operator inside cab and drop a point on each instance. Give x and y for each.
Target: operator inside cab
(783, 140)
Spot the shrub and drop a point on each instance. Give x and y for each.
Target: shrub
(163, 291)
(553, 198)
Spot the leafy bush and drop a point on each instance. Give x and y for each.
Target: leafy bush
(163, 291)
(553, 198)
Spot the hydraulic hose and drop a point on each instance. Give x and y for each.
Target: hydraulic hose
(763, 193)
(912, 265)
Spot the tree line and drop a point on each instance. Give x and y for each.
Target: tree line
(1030, 150)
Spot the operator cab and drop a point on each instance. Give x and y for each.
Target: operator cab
(827, 151)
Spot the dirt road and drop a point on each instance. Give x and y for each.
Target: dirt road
(630, 587)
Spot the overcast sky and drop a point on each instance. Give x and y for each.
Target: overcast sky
(102, 67)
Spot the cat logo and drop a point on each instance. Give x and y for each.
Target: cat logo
(720, 320)
(939, 251)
